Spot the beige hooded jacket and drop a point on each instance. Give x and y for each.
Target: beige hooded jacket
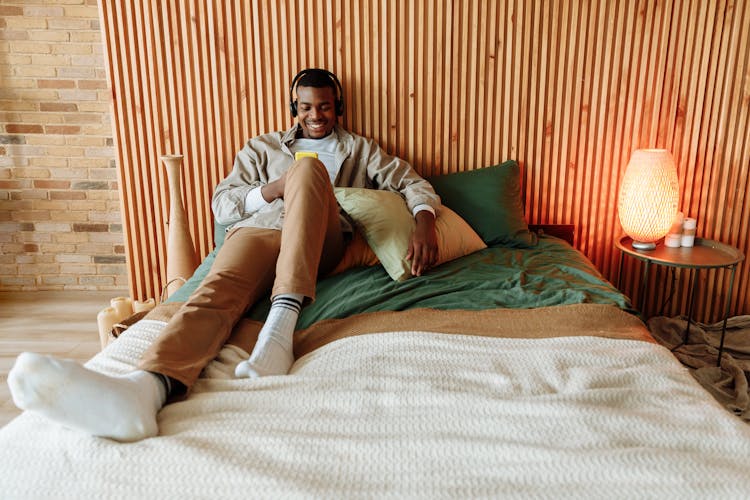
(362, 163)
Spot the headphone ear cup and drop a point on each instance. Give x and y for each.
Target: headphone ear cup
(339, 107)
(293, 108)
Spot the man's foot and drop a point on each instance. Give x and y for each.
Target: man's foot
(122, 408)
(273, 353)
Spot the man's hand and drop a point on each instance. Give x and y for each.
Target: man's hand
(274, 189)
(423, 248)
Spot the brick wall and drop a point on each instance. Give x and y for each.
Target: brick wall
(60, 225)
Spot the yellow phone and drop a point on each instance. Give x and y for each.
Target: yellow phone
(304, 154)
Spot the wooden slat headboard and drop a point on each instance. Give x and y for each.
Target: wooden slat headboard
(567, 88)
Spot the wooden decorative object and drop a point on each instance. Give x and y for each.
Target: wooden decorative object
(181, 258)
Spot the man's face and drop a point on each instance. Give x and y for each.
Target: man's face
(316, 111)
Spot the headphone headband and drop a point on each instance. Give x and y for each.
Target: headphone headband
(339, 101)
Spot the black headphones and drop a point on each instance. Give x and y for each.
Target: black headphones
(338, 103)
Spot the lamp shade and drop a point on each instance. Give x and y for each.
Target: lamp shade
(648, 196)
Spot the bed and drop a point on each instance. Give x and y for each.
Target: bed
(515, 370)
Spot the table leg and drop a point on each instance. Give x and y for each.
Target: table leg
(642, 298)
(726, 315)
(693, 285)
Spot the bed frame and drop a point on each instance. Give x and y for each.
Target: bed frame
(565, 232)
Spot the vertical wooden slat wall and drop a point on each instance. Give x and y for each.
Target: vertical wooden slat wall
(567, 88)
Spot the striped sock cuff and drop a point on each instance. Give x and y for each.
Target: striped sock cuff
(287, 302)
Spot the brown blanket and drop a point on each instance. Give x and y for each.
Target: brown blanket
(700, 351)
(559, 321)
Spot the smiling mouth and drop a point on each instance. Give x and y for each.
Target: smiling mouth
(316, 126)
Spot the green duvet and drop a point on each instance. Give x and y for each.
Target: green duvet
(552, 273)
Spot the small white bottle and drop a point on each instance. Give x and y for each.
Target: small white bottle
(688, 232)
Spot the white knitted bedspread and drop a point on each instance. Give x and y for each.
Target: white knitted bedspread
(407, 415)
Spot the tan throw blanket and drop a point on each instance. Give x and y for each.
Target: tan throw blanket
(559, 321)
(728, 383)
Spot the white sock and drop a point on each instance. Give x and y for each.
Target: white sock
(122, 408)
(273, 353)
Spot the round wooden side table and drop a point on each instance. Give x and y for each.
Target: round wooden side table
(705, 254)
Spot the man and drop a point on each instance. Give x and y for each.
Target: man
(285, 231)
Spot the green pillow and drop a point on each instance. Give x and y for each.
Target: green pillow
(387, 224)
(489, 199)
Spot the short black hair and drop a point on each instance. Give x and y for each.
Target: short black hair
(319, 78)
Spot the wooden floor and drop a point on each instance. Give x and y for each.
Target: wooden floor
(62, 324)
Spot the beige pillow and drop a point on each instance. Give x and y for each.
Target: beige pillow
(387, 225)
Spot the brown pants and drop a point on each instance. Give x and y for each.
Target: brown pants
(251, 262)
